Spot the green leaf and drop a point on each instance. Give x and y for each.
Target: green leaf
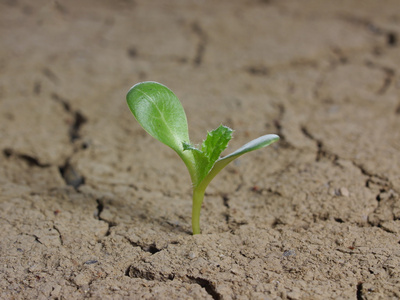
(216, 142)
(200, 158)
(261, 142)
(201, 162)
(221, 163)
(160, 113)
(187, 146)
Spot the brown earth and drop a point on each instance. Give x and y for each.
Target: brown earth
(93, 207)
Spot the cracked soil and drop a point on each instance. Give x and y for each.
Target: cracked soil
(93, 207)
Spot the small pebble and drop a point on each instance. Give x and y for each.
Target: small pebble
(289, 253)
(192, 255)
(344, 192)
(234, 271)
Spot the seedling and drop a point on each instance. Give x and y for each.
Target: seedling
(161, 114)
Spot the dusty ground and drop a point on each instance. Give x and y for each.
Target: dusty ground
(93, 207)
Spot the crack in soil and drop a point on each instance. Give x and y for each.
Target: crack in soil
(374, 178)
(386, 197)
(59, 235)
(100, 208)
(233, 225)
(388, 78)
(207, 285)
(359, 292)
(150, 248)
(321, 151)
(135, 272)
(78, 118)
(68, 171)
(257, 70)
(70, 175)
(390, 36)
(201, 46)
(49, 74)
(386, 82)
(225, 201)
(398, 110)
(372, 182)
(341, 56)
(36, 238)
(30, 160)
(277, 123)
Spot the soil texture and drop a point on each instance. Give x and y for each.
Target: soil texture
(93, 207)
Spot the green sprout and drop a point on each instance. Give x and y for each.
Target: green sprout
(160, 113)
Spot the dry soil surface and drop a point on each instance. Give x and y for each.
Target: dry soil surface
(93, 207)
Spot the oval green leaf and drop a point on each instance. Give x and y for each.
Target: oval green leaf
(262, 141)
(255, 144)
(160, 113)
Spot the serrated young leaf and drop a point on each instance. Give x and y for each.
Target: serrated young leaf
(217, 140)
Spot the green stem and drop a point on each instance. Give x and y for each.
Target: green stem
(198, 196)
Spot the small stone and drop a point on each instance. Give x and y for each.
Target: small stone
(332, 191)
(294, 295)
(339, 242)
(344, 192)
(82, 280)
(234, 271)
(192, 255)
(289, 253)
(90, 262)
